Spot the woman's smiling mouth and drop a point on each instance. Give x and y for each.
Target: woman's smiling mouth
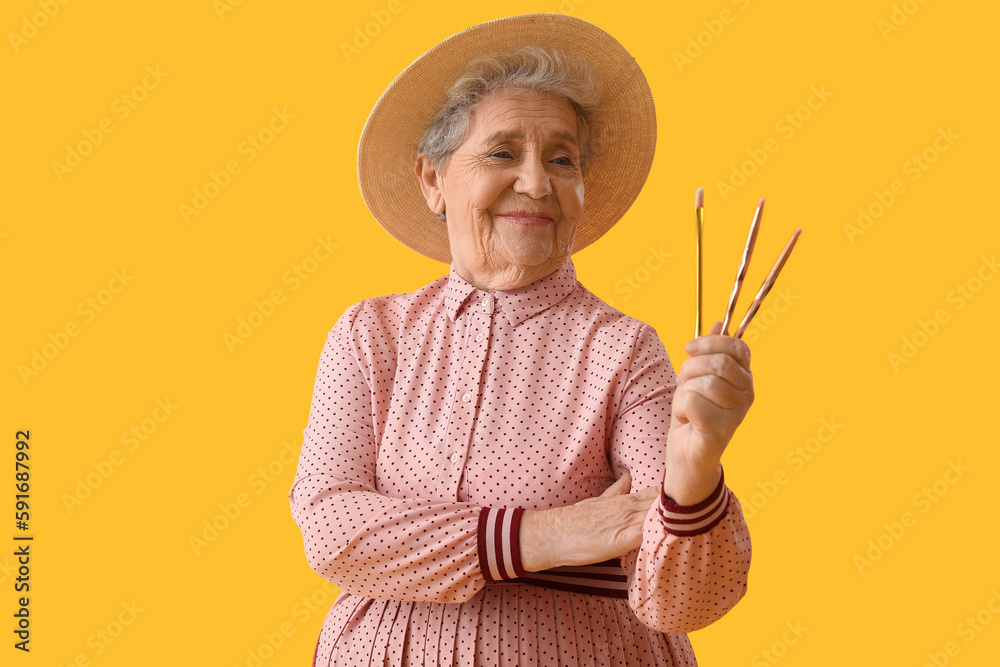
(527, 218)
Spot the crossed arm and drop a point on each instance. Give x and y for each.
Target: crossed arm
(687, 565)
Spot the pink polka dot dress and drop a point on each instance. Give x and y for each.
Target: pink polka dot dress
(437, 418)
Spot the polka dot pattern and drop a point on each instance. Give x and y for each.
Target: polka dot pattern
(435, 409)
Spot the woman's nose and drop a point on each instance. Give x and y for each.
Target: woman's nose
(533, 179)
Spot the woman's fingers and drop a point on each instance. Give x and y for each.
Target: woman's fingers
(707, 416)
(722, 366)
(719, 392)
(631, 536)
(649, 493)
(606, 526)
(710, 404)
(717, 344)
(620, 487)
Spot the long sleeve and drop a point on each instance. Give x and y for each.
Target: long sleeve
(694, 561)
(374, 545)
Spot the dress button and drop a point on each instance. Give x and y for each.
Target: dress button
(454, 457)
(467, 397)
(480, 337)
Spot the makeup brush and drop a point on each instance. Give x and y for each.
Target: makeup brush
(744, 263)
(768, 282)
(699, 204)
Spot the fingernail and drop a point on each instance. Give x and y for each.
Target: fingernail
(691, 347)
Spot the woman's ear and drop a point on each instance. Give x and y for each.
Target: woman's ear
(430, 184)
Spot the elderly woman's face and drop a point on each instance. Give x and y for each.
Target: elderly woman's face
(512, 192)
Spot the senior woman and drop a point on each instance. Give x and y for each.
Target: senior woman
(499, 468)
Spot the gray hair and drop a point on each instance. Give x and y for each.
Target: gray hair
(527, 68)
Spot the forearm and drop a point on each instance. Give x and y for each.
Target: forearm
(689, 484)
(590, 531)
(693, 564)
(377, 546)
(539, 546)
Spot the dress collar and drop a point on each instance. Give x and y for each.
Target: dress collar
(517, 304)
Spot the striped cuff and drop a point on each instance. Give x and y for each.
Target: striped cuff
(685, 520)
(499, 543)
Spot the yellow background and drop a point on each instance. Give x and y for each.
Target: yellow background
(821, 348)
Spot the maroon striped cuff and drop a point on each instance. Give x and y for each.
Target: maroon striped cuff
(607, 579)
(499, 543)
(687, 520)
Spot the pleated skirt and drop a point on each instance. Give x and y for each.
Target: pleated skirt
(503, 625)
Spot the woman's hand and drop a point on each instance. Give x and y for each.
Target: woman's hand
(715, 390)
(590, 531)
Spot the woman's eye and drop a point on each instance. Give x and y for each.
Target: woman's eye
(503, 154)
(564, 161)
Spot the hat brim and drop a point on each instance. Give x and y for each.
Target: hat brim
(625, 127)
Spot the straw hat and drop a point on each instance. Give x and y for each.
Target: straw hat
(625, 127)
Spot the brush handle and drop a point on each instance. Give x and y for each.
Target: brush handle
(772, 276)
(700, 218)
(741, 272)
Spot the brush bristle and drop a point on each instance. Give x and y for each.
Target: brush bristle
(760, 204)
(699, 197)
